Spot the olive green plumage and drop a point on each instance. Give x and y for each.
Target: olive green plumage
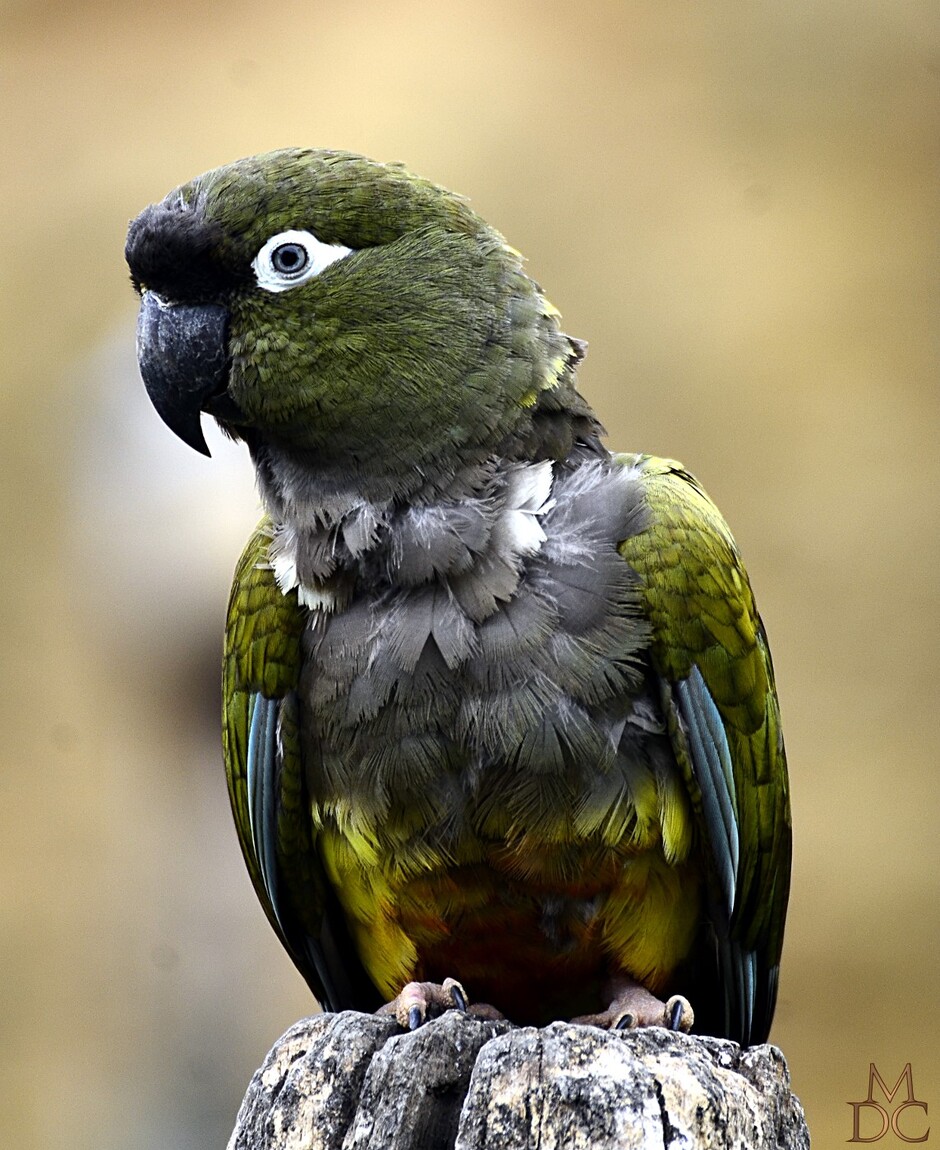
(498, 704)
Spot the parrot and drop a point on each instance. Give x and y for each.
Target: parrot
(500, 726)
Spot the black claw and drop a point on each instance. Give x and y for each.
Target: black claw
(675, 1015)
(460, 1000)
(625, 1023)
(414, 1018)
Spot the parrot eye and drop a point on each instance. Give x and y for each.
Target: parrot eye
(289, 259)
(293, 257)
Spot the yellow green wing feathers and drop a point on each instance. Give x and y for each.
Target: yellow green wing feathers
(261, 660)
(710, 655)
(261, 743)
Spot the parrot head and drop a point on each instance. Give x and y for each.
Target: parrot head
(340, 313)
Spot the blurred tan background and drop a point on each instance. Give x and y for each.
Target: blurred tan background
(736, 205)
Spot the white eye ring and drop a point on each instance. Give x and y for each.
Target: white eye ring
(293, 257)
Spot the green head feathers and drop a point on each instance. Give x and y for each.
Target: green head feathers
(322, 303)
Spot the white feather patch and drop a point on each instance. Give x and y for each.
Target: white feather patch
(283, 559)
(527, 497)
(282, 555)
(316, 598)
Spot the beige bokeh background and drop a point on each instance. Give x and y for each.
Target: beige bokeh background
(736, 205)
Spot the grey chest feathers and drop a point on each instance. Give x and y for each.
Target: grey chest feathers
(475, 667)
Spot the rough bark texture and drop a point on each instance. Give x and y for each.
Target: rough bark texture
(354, 1081)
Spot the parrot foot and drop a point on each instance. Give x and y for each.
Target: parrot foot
(632, 1005)
(419, 1001)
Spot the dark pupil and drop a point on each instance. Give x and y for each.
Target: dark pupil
(289, 259)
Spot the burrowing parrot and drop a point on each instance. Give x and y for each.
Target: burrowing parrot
(500, 723)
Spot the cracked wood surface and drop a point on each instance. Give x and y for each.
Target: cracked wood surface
(355, 1082)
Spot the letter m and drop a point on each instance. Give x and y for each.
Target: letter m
(906, 1077)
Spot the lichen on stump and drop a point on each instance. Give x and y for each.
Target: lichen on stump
(354, 1081)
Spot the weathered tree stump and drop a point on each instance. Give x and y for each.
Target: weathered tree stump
(351, 1081)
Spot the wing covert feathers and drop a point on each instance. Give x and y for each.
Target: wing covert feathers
(710, 653)
(265, 779)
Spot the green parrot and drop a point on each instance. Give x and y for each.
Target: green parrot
(499, 710)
